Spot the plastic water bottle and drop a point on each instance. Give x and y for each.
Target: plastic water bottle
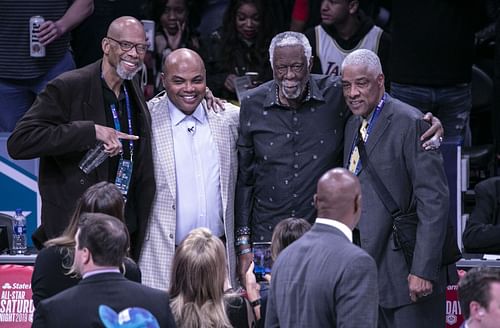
(19, 245)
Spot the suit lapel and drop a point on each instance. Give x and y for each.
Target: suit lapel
(163, 142)
(221, 137)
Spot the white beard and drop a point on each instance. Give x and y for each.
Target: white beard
(295, 94)
(124, 74)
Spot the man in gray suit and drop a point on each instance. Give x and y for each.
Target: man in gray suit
(195, 167)
(410, 295)
(323, 279)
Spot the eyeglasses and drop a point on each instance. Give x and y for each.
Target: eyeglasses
(296, 68)
(140, 48)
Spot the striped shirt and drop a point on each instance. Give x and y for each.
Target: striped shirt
(15, 59)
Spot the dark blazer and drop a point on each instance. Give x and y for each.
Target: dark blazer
(417, 182)
(78, 306)
(59, 128)
(323, 280)
(482, 232)
(50, 277)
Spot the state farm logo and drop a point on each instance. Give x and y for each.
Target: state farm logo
(16, 286)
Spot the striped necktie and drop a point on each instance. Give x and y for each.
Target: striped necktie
(353, 163)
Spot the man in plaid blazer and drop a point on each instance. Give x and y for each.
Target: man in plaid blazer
(195, 160)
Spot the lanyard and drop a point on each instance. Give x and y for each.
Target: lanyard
(116, 120)
(371, 123)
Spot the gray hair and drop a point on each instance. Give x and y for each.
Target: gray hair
(363, 57)
(290, 39)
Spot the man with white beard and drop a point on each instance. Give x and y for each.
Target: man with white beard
(99, 103)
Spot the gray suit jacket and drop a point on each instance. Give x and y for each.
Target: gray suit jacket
(156, 257)
(323, 280)
(417, 182)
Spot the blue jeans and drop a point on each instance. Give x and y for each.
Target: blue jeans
(451, 104)
(17, 96)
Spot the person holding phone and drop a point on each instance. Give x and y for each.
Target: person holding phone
(285, 233)
(239, 48)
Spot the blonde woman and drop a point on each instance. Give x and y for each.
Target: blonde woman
(199, 278)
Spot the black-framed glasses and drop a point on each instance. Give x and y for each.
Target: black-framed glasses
(140, 48)
(296, 68)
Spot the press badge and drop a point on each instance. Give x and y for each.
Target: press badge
(123, 175)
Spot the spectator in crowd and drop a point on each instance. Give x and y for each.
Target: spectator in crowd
(323, 279)
(285, 233)
(479, 295)
(22, 77)
(436, 80)
(291, 132)
(101, 244)
(53, 263)
(194, 154)
(482, 232)
(199, 279)
(75, 111)
(345, 27)
(174, 30)
(240, 47)
(306, 13)
(411, 294)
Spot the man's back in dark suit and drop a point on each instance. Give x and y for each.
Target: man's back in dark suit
(323, 280)
(78, 306)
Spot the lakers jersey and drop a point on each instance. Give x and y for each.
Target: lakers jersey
(331, 54)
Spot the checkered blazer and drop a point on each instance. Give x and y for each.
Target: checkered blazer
(158, 251)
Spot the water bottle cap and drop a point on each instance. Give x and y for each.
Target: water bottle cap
(19, 211)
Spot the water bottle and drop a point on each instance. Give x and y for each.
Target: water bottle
(19, 245)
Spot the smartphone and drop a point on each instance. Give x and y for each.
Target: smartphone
(254, 79)
(262, 259)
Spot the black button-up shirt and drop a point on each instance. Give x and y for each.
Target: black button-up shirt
(121, 108)
(284, 151)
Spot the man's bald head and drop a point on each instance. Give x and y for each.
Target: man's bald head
(338, 197)
(184, 79)
(184, 57)
(124, 23)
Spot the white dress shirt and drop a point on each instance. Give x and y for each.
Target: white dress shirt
(197, 171)
(337, 224)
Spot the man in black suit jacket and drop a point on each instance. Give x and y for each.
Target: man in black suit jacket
(102, 242)
(482, 232)
(75, 111)
(410, 295)
(322, 279)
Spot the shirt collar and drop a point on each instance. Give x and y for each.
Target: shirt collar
(94, 272)
(177, 116)
(337, 224)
